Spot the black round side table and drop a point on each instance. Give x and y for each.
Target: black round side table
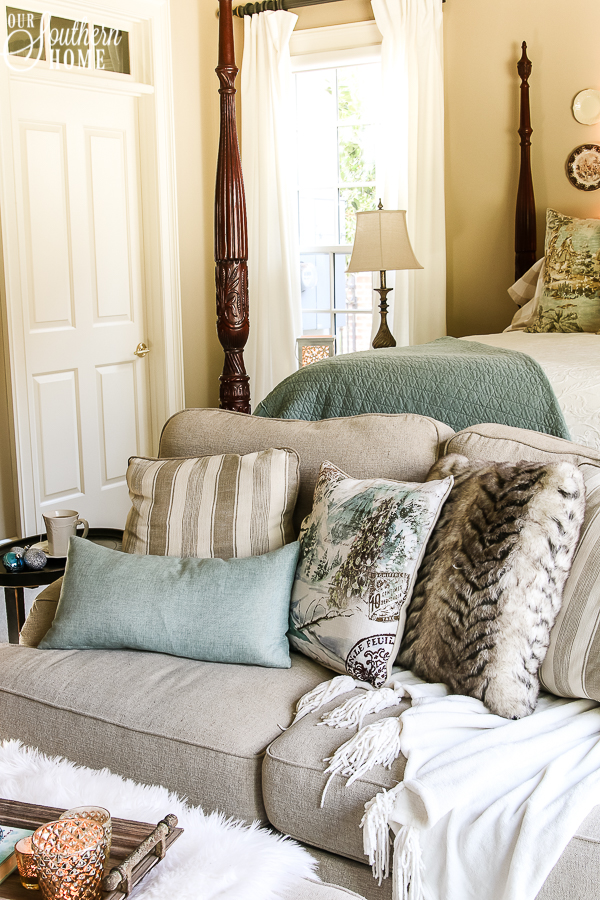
(14, 582)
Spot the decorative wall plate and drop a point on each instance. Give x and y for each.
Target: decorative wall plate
(586, 107)
(583, 167)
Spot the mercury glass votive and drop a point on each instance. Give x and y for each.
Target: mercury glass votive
(96, 814)
(26, 864)
(70, 856)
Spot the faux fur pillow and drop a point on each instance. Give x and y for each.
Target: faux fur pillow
(491, 582)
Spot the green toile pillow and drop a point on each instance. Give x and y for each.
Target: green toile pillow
(361, 547)
(570, 301)
(229, 611)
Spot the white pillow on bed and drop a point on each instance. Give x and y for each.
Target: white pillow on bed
(525, 288)
(526, 293)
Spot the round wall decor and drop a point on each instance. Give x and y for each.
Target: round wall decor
(586, 107)
(583, 167)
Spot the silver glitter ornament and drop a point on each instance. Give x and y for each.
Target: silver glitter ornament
(35, 559)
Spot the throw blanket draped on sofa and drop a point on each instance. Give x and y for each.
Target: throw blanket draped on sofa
(460, 383)
(486, 806)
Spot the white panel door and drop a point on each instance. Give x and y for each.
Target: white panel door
(78, 205)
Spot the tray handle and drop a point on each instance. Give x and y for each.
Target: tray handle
(119, 878)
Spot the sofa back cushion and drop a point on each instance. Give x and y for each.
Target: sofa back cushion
(503, 443)
(571, 667)
(397, 447)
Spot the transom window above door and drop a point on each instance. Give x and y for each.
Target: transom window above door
(337, 116)
(66, 44)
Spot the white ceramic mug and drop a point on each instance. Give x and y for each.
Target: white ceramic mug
(60, 525)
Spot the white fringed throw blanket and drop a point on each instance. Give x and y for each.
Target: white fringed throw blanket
(487, 804)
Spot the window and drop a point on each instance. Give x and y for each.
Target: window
(25, 33)
(66, 43)
(337, 120)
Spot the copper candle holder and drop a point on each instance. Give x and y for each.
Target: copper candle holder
(70, 856)
(97, 814)
(26, 864)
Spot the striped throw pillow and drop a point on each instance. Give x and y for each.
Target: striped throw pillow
(213, 506)
(572, 664)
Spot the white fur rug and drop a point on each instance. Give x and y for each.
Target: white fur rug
(215, 857)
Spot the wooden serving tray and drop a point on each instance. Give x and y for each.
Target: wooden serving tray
(126, 837)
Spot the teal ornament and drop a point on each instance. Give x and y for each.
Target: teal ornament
(35, 559)
(12, 562)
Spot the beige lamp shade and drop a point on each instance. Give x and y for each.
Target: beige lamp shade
(382, 242)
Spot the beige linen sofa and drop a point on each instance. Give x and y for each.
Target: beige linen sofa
(216, 733)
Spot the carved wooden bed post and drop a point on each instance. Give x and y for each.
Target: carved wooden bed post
(525, 230)
(231, 235)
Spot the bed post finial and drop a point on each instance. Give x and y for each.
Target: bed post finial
(525, 226)
(231, 235)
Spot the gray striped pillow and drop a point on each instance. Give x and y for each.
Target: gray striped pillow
(213, 506)
(572, 664)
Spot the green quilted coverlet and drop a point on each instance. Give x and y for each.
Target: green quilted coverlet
(458, 382)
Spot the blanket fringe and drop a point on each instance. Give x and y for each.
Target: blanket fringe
(408, 865)
(324, 693)
(376, 833)
(377, 744)
(353, 711)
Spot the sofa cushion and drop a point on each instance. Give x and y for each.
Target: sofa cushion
(571, 667)
(197, 728)
(231, 611)
(293, 783)
(362, 545)
(226, 505)
(575, 875)
(492, 579)
(503, 443)
(400, 447)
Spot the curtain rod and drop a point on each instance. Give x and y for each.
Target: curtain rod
(250, 9)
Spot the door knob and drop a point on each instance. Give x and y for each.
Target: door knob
(141, 350)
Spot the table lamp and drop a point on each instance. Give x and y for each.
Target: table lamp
(382, 243)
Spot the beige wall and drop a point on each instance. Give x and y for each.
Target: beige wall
(482, 45)
(194, 27)
(339, 13)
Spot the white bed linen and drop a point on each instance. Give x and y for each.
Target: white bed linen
(572, 364)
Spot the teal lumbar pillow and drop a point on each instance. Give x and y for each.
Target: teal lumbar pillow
(229, 611)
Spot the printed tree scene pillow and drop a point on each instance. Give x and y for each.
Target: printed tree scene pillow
(360, 549)
(570, 301)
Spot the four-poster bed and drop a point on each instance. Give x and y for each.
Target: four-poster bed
(231, 232)
(525, 227)
(570, 361)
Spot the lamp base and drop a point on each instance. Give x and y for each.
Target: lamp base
(384, 337)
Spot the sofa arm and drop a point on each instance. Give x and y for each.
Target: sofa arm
(41, 615)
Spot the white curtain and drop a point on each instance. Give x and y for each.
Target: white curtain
(413, 164)
(267, 162)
